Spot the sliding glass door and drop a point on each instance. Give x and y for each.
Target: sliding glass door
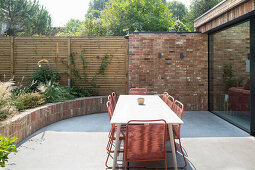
(229, 74)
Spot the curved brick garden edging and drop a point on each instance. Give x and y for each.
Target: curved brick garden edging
(29, 121)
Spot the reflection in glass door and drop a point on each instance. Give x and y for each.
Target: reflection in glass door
(229, 74)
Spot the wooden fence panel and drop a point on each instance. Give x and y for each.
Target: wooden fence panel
(19, 56)
(114, 78)
(29, 51)
(5, 55)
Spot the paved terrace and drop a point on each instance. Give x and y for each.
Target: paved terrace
(79, 144)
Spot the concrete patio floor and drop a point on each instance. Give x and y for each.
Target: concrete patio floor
(79, 144)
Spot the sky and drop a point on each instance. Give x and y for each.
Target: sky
(62, 11)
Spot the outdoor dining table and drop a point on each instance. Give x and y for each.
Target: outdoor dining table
(154, 108)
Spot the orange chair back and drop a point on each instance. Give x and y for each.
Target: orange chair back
(178, 108)
(165, 95)
(114, 99)
(109, 108)
(170, 101)
(138, 91)
(145, 140)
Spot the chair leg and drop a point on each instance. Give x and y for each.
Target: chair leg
(182, 155)
(165, 164)
(175, 146)
(108, 155)
(109, 150)
(106, 162)
(110, 141)
(181, 167)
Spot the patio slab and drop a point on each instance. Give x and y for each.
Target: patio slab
(79, 143)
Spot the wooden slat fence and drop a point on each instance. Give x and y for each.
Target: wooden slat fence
(19, 57)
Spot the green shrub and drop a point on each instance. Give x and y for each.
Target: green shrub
(43, 75)
(6, 108)
(82, 91)
(29, 88)
(6, 147)
(6, 104)
(53, 92)
(29, 100)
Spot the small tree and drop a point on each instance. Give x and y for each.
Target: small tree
(24, 17)
(72, 28)
(178, 26)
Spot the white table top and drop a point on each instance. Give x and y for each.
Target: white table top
(154, 108)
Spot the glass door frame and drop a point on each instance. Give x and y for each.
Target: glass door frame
(241, 20)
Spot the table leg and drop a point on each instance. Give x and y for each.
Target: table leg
(172, 145)
(116, 147)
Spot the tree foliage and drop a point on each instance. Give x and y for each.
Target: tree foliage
(95, 7)
(121, 16)
(199, 7)
(25, 17)
(179, 10)
(118, 17)
(72, 28)
(178, 26)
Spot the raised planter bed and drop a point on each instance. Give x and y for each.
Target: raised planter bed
(29, 121)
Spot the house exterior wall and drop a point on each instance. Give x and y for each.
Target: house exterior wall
(155, 63)
(223, 13)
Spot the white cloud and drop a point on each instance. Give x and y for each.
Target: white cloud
(63, 10)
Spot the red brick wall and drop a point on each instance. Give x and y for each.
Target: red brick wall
(26, 123)
(185, 79)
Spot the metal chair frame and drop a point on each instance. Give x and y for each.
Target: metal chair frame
(138, 91)
(170, 101)
(111, 135)
(165, 95)
(114, 99)
(178, 108)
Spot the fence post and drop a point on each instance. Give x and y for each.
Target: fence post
(69, 62)
(12, 58)
(127, 64)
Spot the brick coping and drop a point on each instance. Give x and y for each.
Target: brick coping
(31, 120)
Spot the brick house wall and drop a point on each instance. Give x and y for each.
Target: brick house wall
(224, 13)
(155, 63)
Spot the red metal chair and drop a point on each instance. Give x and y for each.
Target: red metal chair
(114, 99)
(110, 104)
(170, 101)
(145, 141)
(178, 108)
(138, 91)
(112, 135)
(165, 95)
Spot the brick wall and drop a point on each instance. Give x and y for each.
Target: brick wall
(26, 123)
(228, 47)
(186, 79)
